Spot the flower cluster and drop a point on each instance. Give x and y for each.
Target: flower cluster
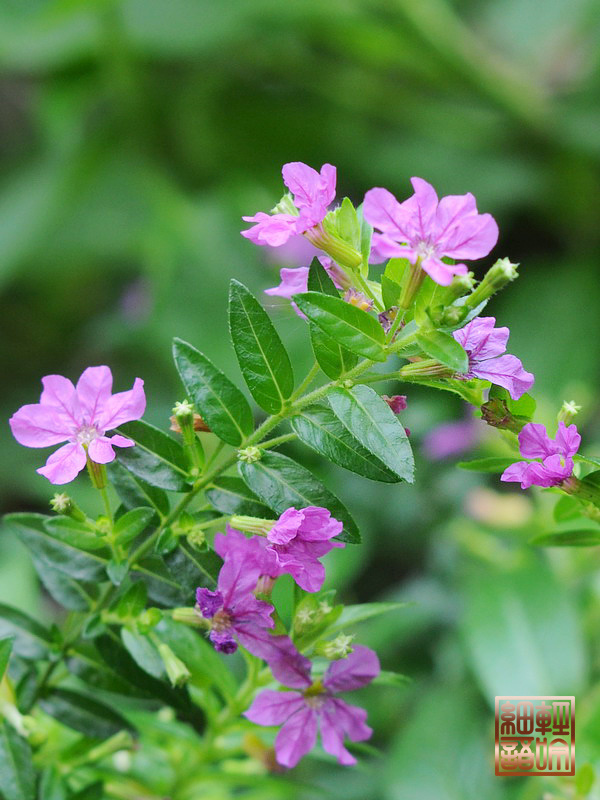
(554, 457)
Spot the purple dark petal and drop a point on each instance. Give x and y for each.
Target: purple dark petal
(65, 464)
(93, 389)
(318, 525)
(288, 665)
(337, 720)
(297, 737)
(554, 469)
(273, 708)
(244, 559)
(506, 371)
(356, 670)
(397, 402)
(517, 473)
(481, 340)
(223, 642)
(249, 609)
(209, 602)
(534, 442)
(286, 527)
(567, 439)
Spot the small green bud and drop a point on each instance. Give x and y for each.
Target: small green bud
(304, 618)
(452, 315)
(250, 454)
(496, 278)
(337, 648)
(568, 412)
(190, 616)
(183, 410)
(425, 368)
(325, 607)
(177, 671)
(61, 503)
(196, 537)
(251, 524)
(149, 619)
(460, 286)
(348, 384)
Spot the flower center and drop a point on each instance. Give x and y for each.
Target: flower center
(221, 621)
(86, 434)
(425, 249)
(315, 695)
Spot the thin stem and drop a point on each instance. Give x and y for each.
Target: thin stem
(106, 501)
(381, 376)
(312, 374)
(367, 290)
(277, 440)
(399, 319)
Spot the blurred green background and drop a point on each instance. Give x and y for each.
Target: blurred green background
(133, 136)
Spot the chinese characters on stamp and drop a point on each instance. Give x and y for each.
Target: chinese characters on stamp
(535, 736)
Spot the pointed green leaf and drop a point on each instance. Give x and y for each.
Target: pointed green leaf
(333, 359)
(156, 458)
(84, 714)
(319, 428)
(6, 644)
(72, 594)
(445, 349)
(230, 495)
(319, 280)
(577, 538)
(31, 639)
(263, 359)
(280, 483)
(215, 397)
(353, 328)
(351, 615)
(491, 464)
(17, 774)
(134, 491)
(31, 530)
(132, 523)
(73, 532)
(370, 420)
(143, 652)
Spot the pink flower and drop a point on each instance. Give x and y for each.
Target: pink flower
(80, 415)
(556, 456)
(302, 713)
(312, 192)
(426, 229)
(485, 345)
(397, 402)
(295, 281)
(238, 617)
(298, 540)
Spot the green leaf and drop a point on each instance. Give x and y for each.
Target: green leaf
(84, 714)
(5, 650)
(353, 328)
(392, 280)
(17, 774)
(88, 666)
(319, 280)
(163, 588)
(280, 482)
(263, 359)
(333, 359)
(351, 615)
(215, 397)
(133, 602)
(156, 458)
(72, 594)
(31, 530)
(31, 639)
(143, 652)
(577, 538)
(74, 532)
(319, 428)
(370, 420)
(192, 568)
(445, 349)
(584, 779)
(366, 233)
(525, 406)
(230, 495)
(387, 678)
(492, 464)
(587, 459)
(132, 523)
(134, 491)
(566, 509)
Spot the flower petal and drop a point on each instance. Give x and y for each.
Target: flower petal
(293, 281)
(338, 719)
(65, 464)
(567, 439)
(39, 425)
(286, 527)
(297, 737)
(534, 442)
(273, 708)
(120, 441)
(440, 272)
(245, 559)
(518, 473)
(481, 339)
(384, 212)
(209, 602)
(356, 670)
(506, 371)
(93, 389)
(271, 229)
(313, 191)
(100, 450)
(60, 393)
(471, 238)
(123, 407)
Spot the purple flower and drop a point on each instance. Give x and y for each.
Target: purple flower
(556, 456)
(80, 415)
(295, 281)
(238, 617)
(485, 345)
(397, 402)
(312, 192)
(317, 707)
(426, 229)
(452, 438)
(298, 540)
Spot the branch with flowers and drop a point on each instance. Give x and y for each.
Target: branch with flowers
(158, 597)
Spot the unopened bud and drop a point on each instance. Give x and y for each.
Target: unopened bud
(183, 410)
(177, 671)
(337, 648)
(452, 316)
(304, 618)
(190, 616)
(341, 252)
(460, 286)
(61, 503)
(251, 524)
(397, 403)
(196, 537)
(568, 412)
(496, 414)
(148, 619)
(250, 454)
(425, 368)
(502, 272)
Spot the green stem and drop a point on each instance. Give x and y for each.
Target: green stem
(106, 501)
(312, 374)
(396, 324)
(367, 290)
(277, 440)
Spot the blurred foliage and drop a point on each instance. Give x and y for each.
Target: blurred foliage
(133, 136)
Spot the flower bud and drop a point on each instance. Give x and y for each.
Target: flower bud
(184, 419)
(397, 403)
(251, 524)
(460, 286)
(568, 412)
(341, 252)
(495, 413)
(177, 671)
(501, 273)
(190, 616)
(250, 454)
(61, 503)
(304, 618)
(337, 648)
(425, 368)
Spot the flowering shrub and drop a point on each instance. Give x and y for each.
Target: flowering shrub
(160, 598)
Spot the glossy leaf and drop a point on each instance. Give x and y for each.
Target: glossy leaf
(370, 420)
(132, 523)
(133, 602)
(445, 349)
(319, 280)
(491, 464)
(360, 612)
(84, 714)
(333, 359)
(134, 491)
(31, 639)
(72, 594)
(31, 530)
(353, 328)
(263, 359)
(156, 458)
(576, 538)
(143, 652)
(319, 428)
(192, 568)
(280, 482)
(74, 532)
(230, 495)
(17, 773)
(215, 397)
